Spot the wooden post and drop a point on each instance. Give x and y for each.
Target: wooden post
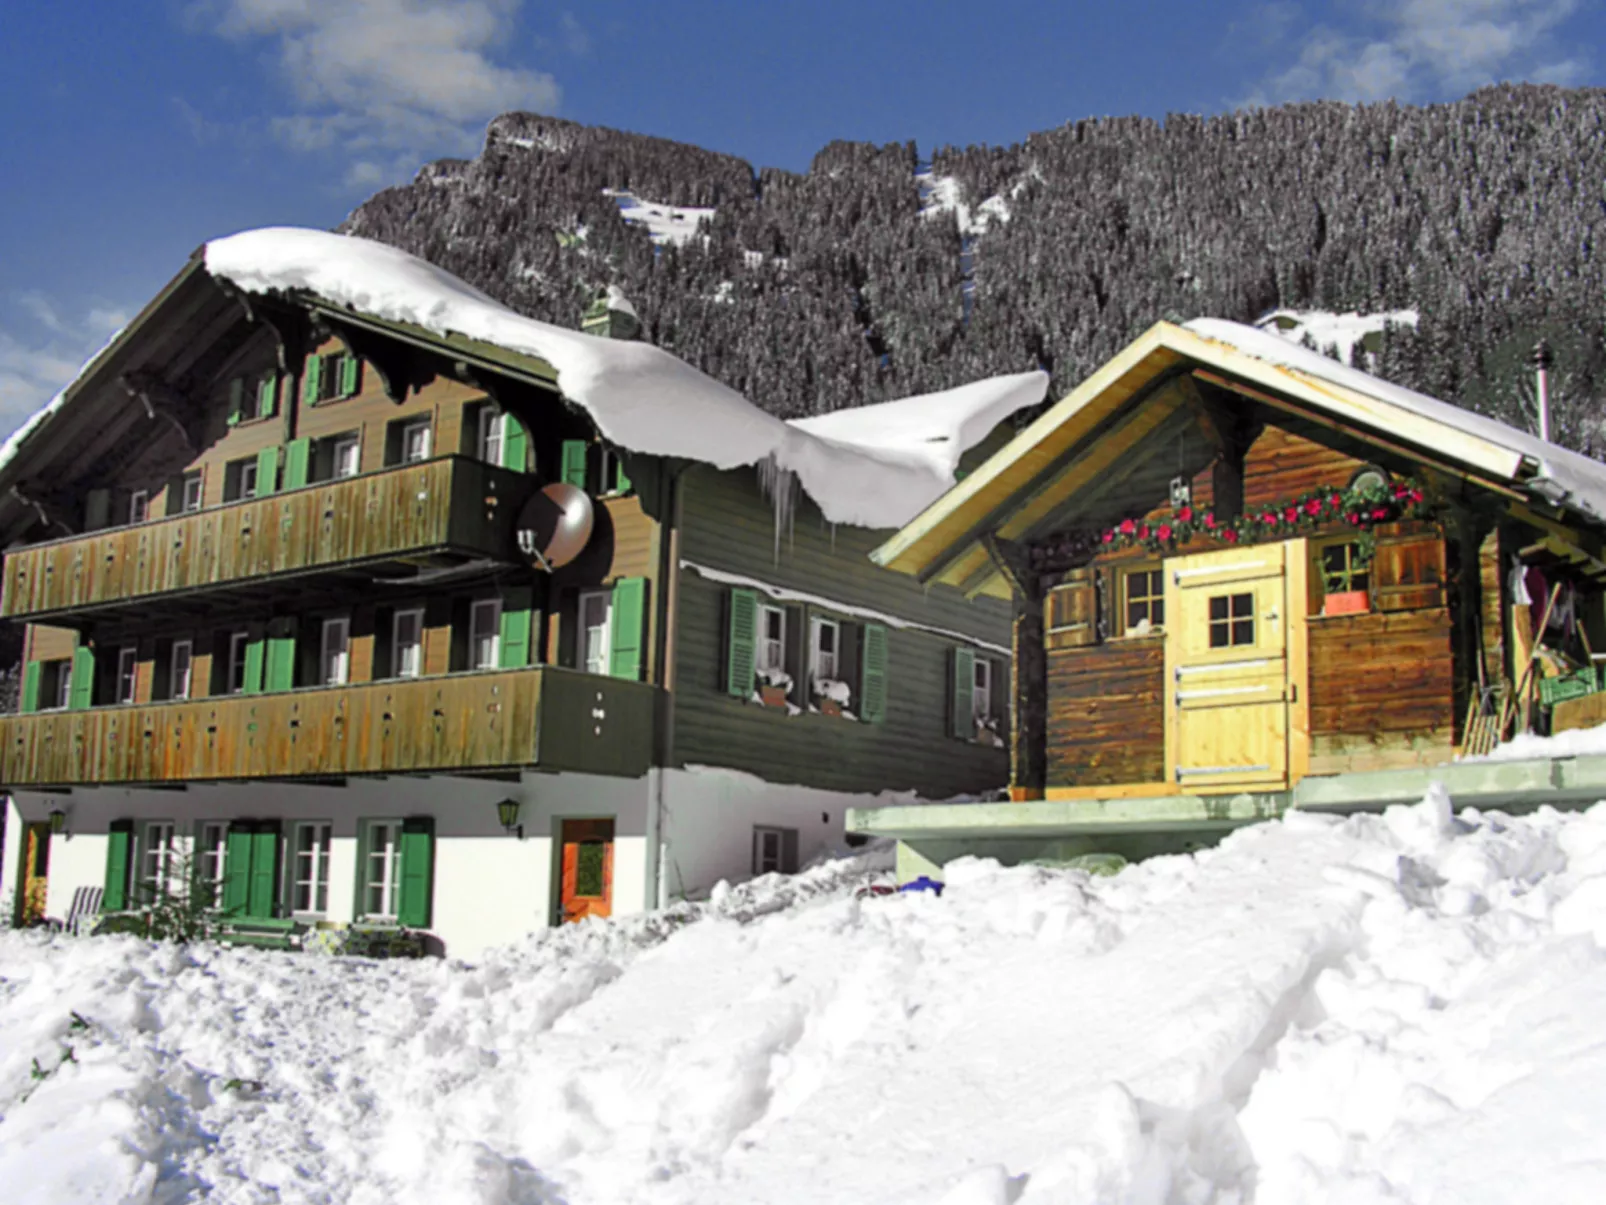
(1028, 707)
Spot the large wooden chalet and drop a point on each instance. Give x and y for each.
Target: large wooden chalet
(280, 619)
(1239, 564)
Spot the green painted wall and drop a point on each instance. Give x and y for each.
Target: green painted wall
(728, 526)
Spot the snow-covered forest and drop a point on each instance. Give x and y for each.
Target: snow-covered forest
(880, 273)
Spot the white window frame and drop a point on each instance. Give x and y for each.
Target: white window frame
(314, 861)
(584, 660)
(63, 686)
(334, 662)
(398, 666)
(492, 436)
(139, 506)
(193, 489)
(387, 863)
(981, 690)
(477, 633)
(158, 860)
(248, 479)
(608, 482)
(127, 673)
(351, 444)
(764, 861)
(234, 682)
(817, 654)
(211, 854)
(769, 652)
(178, 688)
(415, 427)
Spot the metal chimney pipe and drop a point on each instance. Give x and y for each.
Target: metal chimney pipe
(1542, 358)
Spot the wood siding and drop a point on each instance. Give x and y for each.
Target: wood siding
(451, 504)
(729, 527)
(1106, 718)
(552, 718)
(1278, 466)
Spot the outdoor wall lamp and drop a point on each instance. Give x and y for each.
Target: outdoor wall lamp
(58, 822)
(507, 811)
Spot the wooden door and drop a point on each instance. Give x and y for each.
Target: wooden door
(1235, 668)
(35, 874)
(587, 881)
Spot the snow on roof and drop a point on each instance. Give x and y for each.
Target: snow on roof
(1574, 479)
(640, 397)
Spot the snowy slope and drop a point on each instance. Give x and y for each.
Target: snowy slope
(1384, 1008)
(674, 224)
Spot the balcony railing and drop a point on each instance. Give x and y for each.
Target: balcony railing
(556, 719)
(451, 508)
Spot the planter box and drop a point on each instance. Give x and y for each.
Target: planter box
(829, 706)
(773, 696)
(1347, 602)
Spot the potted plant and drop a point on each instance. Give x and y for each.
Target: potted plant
(831, 696)
(773, 687)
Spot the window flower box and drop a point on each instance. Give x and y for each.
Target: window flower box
(1347, 602)
(772, 696)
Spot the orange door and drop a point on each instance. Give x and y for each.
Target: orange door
(35, 874)
(587, 869)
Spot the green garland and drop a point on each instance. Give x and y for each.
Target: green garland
(1361, 508)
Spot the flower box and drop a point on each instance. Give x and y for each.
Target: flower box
(829, 706)
(773, 696)
(1347, 602)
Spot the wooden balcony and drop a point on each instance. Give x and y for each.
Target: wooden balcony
(442, 511)
(542, 716)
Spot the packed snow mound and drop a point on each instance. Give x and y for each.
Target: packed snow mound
(1580, 480)
(1396, 1007)
(641, 397)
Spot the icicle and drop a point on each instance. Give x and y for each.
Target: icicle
(781, 488)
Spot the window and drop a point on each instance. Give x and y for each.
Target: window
(1145, 599)
(55, 684)
(774, 850)
(139, 506)
(594, 616)
(415, 440)
(1232, 620)
(771, 650)
(334, 663)
(309, 867)
(336, 377)
(407, 644)
(178, 673)
(240, 479)
(381, 870)
(239, 643)
(190, 492)
(158, 861)
(611, 479)
(485, 634)
(347, 456)
(264, 394)
(492, 427)
(1343, 568)
(824, 644)
(127, 673)
(981, 690)
(211, 850)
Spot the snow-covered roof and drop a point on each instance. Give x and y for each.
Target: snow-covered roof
(1565, 477)
(873, 473)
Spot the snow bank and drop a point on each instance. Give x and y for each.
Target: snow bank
(1580, 479)
(1385, 1007)
(1578, 742)
(641, 398)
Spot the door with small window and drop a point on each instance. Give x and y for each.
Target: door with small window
(1234, 656)
(586, 883)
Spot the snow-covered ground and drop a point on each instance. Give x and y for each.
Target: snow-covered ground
(1400, 1008)
(676, 224)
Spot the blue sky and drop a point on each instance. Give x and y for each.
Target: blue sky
(131, 133)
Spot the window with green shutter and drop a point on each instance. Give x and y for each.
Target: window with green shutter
(31, 674)
(515, 444)
(119, 851)
(417, 872)
(350, 376)
(267, 470)
(81, 690)
(962, 680)
(297, 463)
(628, 628)
(254, 664)
(311, 380)
(621, 480)
(236, 401)
(237, 868)
(517, 615)
(573, 469)
(279, 657)
(267, 396)
(873, 674)
(262, 896)
(742, 643)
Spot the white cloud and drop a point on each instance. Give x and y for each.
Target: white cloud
(1421, 49)
(407, 77)
(39, 362)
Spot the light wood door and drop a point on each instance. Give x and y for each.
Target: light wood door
(1235, 668)
(35, 874)
(587, 880)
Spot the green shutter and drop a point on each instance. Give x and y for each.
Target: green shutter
(417, 871)
(628, 628)
(81, 693)
(516, 617)
(311, 376)
(873, 674)
(30, 685)
(119, 844)
(574, 462)
(621, 482)
(297, 462)
(236, 400)
(350, 375)
(268, 395)
(253, 666)
(97, 509)
(962, 720)
(267, 470)
(237, 869)
(742, 648)
(264, 881)
(515, 444)
(279, 659)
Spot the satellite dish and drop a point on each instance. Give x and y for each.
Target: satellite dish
(555, 525)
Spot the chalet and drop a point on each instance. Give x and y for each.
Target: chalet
(376, 604)
(1240, 568)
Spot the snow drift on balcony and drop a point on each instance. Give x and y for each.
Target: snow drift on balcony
(1578, 481)
(640, 397)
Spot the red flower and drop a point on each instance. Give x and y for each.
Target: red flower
(1290, 514)
(1210, 520)
(1380, 512)
(1164, 531)
(1354, 520)
(1313, 507)
(1416, 495)
(1400, 491)
(1143, 532)
(1109, 537)
(1268, 518)
(1128, 527)
(1185, 514)
(1230, 536)
(1335, 501)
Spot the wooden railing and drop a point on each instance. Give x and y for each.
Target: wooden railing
(557, 719)
(450, 505)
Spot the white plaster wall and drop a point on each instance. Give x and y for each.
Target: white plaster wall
(79, 861)
(490, 891)
(629, 875)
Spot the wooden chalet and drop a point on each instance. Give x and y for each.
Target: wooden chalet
(284, 620)
(1238, 564)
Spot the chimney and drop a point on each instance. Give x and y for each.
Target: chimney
(611, 316)
(1542, 358)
